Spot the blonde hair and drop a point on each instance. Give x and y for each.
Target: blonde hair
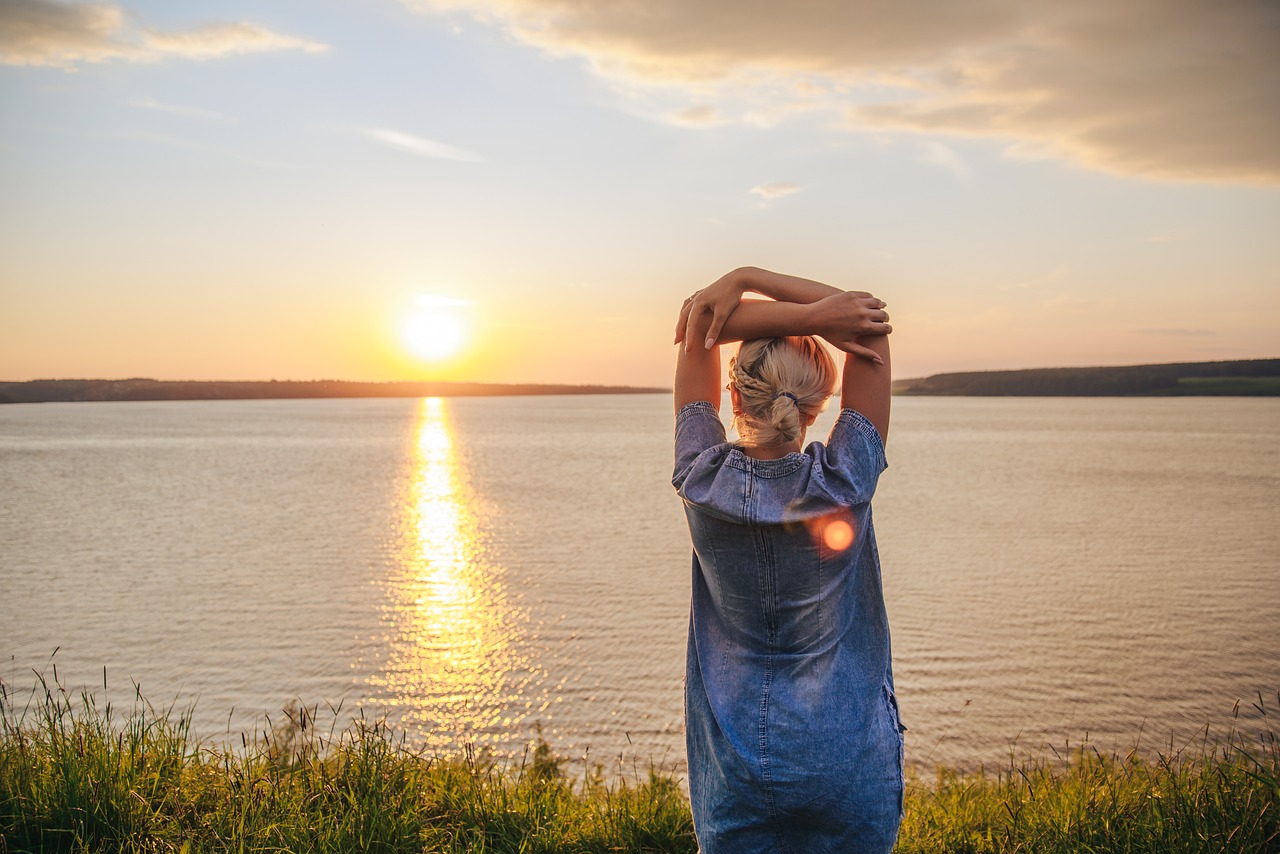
(782, 383)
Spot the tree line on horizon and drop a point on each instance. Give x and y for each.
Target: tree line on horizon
(1245, 377)
(68, 391)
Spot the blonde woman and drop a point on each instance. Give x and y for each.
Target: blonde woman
(792, 727)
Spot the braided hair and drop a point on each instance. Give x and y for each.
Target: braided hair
(782, 383)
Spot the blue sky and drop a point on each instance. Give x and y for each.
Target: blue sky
(256, 190)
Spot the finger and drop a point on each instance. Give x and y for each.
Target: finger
(713, 331)
(682, 321)
(690, 329)
(866, 353)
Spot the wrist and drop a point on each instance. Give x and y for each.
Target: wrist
(743, 280)
(813, 317)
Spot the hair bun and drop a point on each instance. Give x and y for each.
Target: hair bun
(760, 372)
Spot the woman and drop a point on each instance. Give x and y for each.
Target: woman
(791, 722)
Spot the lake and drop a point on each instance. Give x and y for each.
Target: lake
(476, 568)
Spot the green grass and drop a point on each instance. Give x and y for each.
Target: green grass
(1202, 797)
(73, 777)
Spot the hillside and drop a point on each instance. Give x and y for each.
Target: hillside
(1249, 377)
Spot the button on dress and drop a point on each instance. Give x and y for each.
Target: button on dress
(792, 728)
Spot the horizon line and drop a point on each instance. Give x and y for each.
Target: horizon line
(600, 384)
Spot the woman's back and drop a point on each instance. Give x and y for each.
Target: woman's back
(791, 721)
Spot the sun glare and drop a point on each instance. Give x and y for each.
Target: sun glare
(435, 328)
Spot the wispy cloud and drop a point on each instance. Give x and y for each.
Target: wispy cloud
(698, 114)
(63, 35)
(775, 190)
(213, 40)
(1177, 333)
(1163, 89)
(143, 103)
(421, 146)
(943, 157)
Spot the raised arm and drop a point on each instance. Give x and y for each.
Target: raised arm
(799, 307)
(853, 321)
(721, 298)
(697, 376)
(842, 319)
(698, 368)
(866, 385)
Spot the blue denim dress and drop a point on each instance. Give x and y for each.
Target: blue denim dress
(792, 727)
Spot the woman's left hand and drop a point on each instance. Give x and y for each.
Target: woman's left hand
(844, 318)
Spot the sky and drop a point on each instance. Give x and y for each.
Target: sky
(525, 190)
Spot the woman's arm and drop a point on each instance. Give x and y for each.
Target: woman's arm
(722, 296)
(697, 376)
(780, 286)
(866, 385)
(802, 307)
(842, 319)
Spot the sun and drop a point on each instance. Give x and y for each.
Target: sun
(435, 328)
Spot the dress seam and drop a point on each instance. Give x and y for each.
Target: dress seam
(766, 776)
(768, 597)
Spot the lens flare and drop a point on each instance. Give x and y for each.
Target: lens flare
(837, 535)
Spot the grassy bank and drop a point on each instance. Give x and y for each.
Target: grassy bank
(74, 777)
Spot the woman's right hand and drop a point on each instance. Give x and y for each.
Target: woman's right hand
(845, 317)
(719, 299)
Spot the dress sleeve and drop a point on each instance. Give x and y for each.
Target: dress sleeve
(698, 428)
(854, 458)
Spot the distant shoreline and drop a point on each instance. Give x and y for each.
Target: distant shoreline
(79, 391)
(1236, 378)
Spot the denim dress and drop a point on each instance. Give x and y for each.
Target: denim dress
(791, 723)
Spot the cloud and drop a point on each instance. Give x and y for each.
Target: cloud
(179, 110)
(420, 146)
(1162, 89)
(775, 190)
(936, 154)
(62, 35)
(698, 114)
(213, 40)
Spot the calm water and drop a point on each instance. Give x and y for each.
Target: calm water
(474, 568)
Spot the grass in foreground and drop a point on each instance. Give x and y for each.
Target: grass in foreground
(74, 779)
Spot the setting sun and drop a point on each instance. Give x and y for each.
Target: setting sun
(436, 327)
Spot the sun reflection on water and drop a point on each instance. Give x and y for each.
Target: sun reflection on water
(449, 652)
